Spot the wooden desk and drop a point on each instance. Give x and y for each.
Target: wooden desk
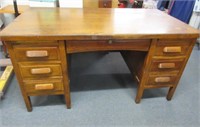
(10, 9)
(155, 46)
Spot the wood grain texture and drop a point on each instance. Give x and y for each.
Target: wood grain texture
(94, 24)
(172, 89)
(166, 65)
(105, 3)
(41, 53)
(10, 9)
(162, 79)
(36, 71)
(145, 71)
(29, 86)
(90, 3)
(40, 86)
(155, 52)
(172, 49)
(65, 72)
(46, 86)
(136, 45)
(40, 70)
(25, 68)
(19, 78)
(35, 52)
(95, 3)
(135, 62)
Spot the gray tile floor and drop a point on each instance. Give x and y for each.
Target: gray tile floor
(102, 93)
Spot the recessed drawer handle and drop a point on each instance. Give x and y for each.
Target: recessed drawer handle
(166, 65)
(41, 71)
(172, 49)
(43, 53)
(44, 86)
(162, 79)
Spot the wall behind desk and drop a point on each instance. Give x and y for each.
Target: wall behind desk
(4, 3)
(86, 3)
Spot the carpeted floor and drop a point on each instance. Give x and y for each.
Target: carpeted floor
(102, 93)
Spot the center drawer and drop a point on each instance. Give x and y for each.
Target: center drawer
(40, 70)
(104, 45)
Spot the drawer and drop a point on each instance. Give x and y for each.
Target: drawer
(40, 70)
(172, 47)
(35, 86)
(163, 79)
(105, 3)
(163, 65)
(36, 53)
(86, 46)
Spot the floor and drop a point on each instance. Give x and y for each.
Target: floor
(102, 93)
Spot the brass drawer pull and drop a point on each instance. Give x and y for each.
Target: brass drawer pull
(172, 49)
(166, 65)
(41, 71)
(162, 79)
(31, 54)
(44, 86)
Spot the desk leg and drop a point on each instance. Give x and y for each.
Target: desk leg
(65, 71)
(173, 89)
(139, 94)
(134, 61)
(138, 63)
(19, 78)
(170, 93)
(28, 103)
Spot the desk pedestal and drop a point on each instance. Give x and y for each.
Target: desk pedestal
(41, 67)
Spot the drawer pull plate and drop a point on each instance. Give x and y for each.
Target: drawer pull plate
(41, 71)
(32, 54)
(44, 86)
(172, 49)
(166, 65)
(162, 79)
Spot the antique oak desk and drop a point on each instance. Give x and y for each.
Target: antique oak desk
(155, 46)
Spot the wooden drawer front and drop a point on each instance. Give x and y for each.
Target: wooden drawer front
(171, 48)
(43, 86)
(105, 3)
(40, 70)
(85, 46)
(162, 79)
(166, 65)
(24, 53)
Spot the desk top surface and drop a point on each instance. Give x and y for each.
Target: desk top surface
(80, 24)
